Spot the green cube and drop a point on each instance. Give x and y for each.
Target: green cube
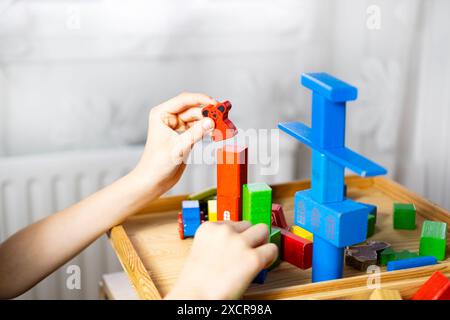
(257, 203)
(404, 216)
(275, 238)
(433, 239)
(391, 255)
(370, 225)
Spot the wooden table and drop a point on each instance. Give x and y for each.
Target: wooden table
(151, 253)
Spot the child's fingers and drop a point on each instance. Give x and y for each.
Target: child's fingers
(239, 226)
(256, 235)
(190, 115)
(194, 134)
(185, 101)
(267, 254)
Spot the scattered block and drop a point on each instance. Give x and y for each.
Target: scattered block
(391, 255)
(410, 263)
(229, 208)
(278, 218)
(180, 226)
(370, 225)
(205, 194)
(212, 210)
(363, 256)
(257, 203)
(275, 238)
(261, 277)
(385, 294)
(191, 217)
(305, 234)
(224, 128)
(296, 250)
(437, 287)
(433, 239)
(404, 216)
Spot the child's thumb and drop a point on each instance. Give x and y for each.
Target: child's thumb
(194, 134)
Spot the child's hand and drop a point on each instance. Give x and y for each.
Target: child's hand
(174, 127)
(224, 259)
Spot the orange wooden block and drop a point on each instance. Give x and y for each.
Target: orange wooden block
(229, 208)
(437, 287)
(231, 170)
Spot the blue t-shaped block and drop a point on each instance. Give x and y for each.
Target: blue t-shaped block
(334, 221)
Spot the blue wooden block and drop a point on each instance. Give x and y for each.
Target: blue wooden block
(329, 87)
(261, 277)
(340, 223)
(410, 263)
(191, 217)
(327, 261)
(327, 179)
(342, 156)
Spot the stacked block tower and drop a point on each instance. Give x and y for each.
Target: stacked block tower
(334, 220)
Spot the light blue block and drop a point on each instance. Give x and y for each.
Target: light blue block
(340, 223)
(191, 217)
(329, 87)
(410, 263)
(327, 179)
(327, 261)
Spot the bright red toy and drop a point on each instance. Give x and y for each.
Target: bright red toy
(296, 250)
(224, 128)
(437, 287)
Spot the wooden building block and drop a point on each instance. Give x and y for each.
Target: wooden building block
(261, 276)
(191, 217)
(410, 263)
(385, 294)
(229, 208)
(275, 238)
(437, 287)
(362, 256)
(212, 210)
(296, 250)
(223, 127)
(257, 203)
(299, 231)
(205, 194)
(433, 239)
(278, 218)
(370, 225)
(231, 170)
(404, 215)
(391, 255)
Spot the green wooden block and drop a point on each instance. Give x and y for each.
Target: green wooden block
(433, 239)
(370, 225)
(392, 255)
(206, 194)
(404, 216)
(275, 238)
(257, 203)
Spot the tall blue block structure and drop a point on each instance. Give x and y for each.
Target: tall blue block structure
(335, 221)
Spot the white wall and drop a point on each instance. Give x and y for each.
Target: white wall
(78, 75)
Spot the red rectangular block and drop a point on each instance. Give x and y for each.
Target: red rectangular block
(278, 218)
(296, 250)
(437, 287)
(231, 170)
(229, 208)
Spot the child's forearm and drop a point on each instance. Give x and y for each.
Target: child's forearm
(36, 251)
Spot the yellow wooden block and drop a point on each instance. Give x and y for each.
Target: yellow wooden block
(385, 294)
(212, 210)
(302, 233)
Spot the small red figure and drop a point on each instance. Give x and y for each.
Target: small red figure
(224, 128)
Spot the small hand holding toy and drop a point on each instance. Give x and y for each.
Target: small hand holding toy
(224, 128)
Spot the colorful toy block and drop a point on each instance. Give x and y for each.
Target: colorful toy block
(370, 225)
(180, 226)
(391, 255)
(302, 233)
(410, 263)
(229, 208)
(437, 287)
(278, 218)
(257, 203)
(404, 216)
(385, 294)
(224, 128)
(433, 239)
(363, 256)
(205, 194)
(212, 210)
(261, 277)
(334, 221)
(191, 217)
(297, 251)
(275, 238)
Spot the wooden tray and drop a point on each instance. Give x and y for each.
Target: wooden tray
(150, 251)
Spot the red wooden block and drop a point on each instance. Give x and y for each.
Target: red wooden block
(180, 226)
(229, 208)
(231, 170)
(437, 287)
(278, 218)
(224, 128)
(296, 250)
